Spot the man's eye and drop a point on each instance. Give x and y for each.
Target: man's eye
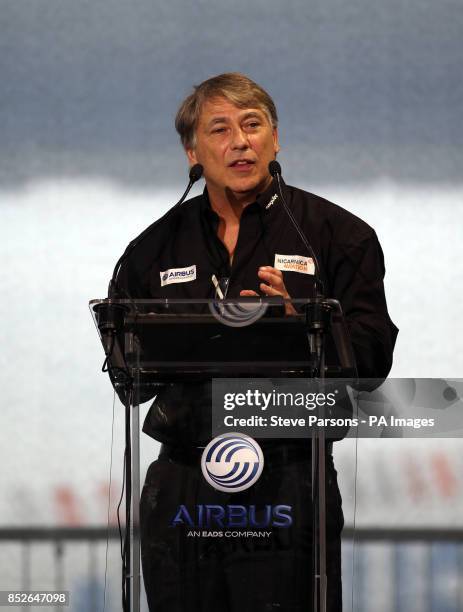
(218, 130)
(253, 124)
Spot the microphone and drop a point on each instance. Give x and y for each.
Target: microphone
(275, 170)
(316, 315)
(110, 317)
(194, 175)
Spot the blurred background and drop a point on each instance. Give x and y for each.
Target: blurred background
(370, 100)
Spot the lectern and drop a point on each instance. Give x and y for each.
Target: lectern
(156, 342)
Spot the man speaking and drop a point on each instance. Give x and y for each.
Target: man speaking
(242, 235)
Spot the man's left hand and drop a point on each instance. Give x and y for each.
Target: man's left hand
(273, 285)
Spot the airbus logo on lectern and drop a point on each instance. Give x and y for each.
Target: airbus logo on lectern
(231, 463)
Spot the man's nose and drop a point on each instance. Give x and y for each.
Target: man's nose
(239, 139)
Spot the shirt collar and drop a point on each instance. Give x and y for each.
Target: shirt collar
(264, 200)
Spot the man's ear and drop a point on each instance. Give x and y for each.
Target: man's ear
(192, 159)
(276, 143)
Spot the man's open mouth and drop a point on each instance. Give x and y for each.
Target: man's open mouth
(242, 163)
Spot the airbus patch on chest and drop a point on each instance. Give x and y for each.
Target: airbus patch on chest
(294, 263)
(178, 275)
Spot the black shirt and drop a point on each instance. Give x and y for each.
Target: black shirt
(182, 251)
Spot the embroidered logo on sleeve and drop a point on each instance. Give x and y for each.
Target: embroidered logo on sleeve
(178, 275)
(294, 263)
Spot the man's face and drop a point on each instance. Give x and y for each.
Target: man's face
(235, 146)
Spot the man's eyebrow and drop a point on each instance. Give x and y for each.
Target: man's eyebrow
(252, 114)
(248, 115)
(217, 120)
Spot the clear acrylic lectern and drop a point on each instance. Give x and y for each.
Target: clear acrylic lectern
(153, 343)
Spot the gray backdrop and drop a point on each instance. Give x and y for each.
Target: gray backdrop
(366, 89)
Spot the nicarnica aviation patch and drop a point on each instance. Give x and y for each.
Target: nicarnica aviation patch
(294, 263)
(178, 275)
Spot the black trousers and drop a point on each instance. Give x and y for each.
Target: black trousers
(183, 573)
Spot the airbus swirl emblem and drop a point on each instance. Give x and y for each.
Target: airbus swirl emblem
(232, 462)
